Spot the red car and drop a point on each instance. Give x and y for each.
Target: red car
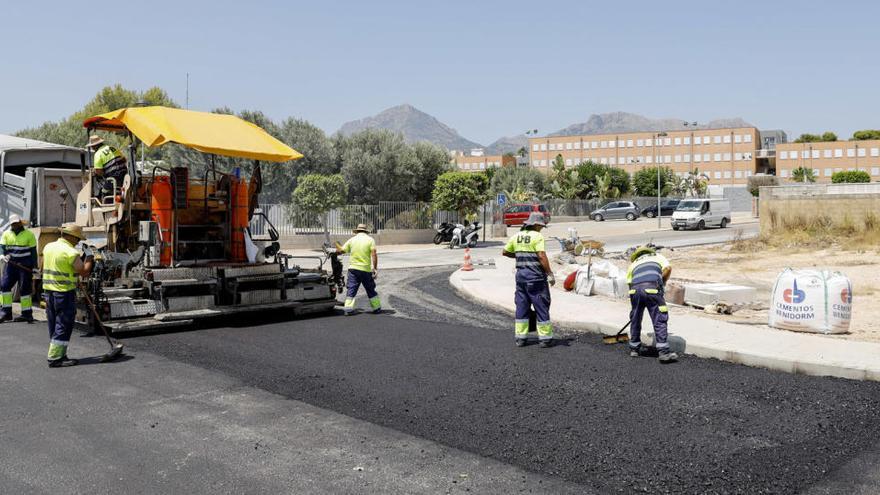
(517, 214)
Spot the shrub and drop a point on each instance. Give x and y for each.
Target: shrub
(850, 176)
(756, 182)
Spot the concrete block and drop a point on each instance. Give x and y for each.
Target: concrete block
(611, 287)
(704, 294)
(675, 293)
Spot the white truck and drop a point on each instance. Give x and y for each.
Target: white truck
(698, 214)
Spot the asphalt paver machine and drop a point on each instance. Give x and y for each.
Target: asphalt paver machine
(172, 248)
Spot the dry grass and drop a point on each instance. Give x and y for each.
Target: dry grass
(805, 231)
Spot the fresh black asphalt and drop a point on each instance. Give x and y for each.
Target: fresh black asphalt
(581, 411)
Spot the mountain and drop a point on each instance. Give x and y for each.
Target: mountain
(510, 144)
(607, 123)
(415, 125)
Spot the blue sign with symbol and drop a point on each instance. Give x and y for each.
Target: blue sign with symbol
(501, 199)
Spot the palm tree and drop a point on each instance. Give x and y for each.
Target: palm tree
(604, 190)
(803, 174)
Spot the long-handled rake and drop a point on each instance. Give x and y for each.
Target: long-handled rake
(618, 338)
(115, 348)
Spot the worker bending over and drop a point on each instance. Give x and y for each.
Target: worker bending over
(533, 280)
(19, 249)
(109, 163)
(646, 277)
(62, 263)
(362, 268)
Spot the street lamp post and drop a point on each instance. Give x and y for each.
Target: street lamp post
(654, 148)
(693, 125)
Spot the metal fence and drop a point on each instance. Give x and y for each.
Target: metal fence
(390, 215)
(583, 207)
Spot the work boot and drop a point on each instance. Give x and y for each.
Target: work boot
(546, 343)
(64, 362)
(6, 317)
(25, 318)
(377, 311)
(520, 342)
(635, 351)
(667, 357)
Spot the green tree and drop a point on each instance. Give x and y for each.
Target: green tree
(318, 194)
(605, 188)
(756, 182)
(377, 165)
(850, 176)
(589, 172)
(696, 183)
(645, 181)
(519, 184)
(803, 174)
(866, 134)
(565, 183)
(826, 136)
(431, 162)
(463, 192)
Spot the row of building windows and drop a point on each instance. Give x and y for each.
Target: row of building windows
(479, 166)
(639, 143)
(829, 171)
(829, 153)
(635, 160)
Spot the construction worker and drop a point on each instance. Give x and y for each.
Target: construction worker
(646, 277)
(19, 248)
(533, 274)
(109, 163)
(62, 263)
(362, 269)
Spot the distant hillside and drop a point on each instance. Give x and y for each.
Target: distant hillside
(415, 125)
(510, 144)
(607, 123)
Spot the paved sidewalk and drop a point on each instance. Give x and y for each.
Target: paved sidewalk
(703, 337)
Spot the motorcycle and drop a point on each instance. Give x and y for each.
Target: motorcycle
(465, 235)
(444, 233)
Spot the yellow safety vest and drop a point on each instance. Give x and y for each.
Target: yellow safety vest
(361, 248)
(58, 272)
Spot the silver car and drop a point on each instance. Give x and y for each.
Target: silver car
(617, 210)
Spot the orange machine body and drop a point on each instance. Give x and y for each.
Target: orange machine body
(162, 206)
(239, 219)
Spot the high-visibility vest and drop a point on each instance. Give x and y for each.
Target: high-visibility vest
(19, 246)
(58, 272)
(110, 159)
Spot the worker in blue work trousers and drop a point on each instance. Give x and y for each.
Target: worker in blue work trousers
(62, 264)
(646, 277)
(362, 269)
(533, 280)
(19, 249)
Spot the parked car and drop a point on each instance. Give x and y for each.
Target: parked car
(667, 206)
(617, 210)
(701, 213)
(517, 214)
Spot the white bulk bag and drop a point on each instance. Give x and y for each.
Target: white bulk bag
(817, 301)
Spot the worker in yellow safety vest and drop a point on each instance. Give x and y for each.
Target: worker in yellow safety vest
(533, 280)
(647, 275)
(362, 269)
(18, 247)
(62, 263)
(109, 164)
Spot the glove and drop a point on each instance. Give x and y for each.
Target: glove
(551, 279)
(375, 274)
(6, 258)
(87, 252)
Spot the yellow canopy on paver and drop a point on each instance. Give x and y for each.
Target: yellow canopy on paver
(213, 133)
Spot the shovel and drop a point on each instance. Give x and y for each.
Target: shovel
(115, 348)
(618, 338)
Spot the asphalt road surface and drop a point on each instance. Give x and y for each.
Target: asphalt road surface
(446, 371)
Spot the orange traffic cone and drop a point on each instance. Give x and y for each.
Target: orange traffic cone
(467, 266)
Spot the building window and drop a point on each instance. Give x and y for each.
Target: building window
(875, 151)
(861, 152)
(706, 157)
(649, 159)
(783, 155)
(677, 158)
(826, 153)
(603, 144)
(649, 142)
(686, 158)
(568, 162)
(482, 166)
(838, 153)
(747, 138)
(536, 163)
(875, 170)
(726, 157)
(697, 157)
(640, 142)
(737, 139)
(535, 147)
(748, 173)
(738, 174)
(687, 140)
(805, 153)
(717, 175)
(815, 154)
(677, 141)
(828, 172)
(621, 143)
(667, 159)
(783, 173)
(543, 146)
(629, 143)
(727, 174)
(568, 146)
(727, 141)
(717, 157)
(737, 157)
(577, 145)
(594, 144)
(698, 140)
(667, 141)
(851, 152)
(543, 163)
(717, 139)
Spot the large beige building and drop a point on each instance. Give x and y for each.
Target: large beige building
(828, 157)
(470, 163)
(728, 156)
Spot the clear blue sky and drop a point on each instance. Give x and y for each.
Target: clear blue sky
(486, 68)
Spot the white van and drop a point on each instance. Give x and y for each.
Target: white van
(701, 213)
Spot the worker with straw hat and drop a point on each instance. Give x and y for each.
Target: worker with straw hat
(62, 263)
(19, 249)
(362, 269)
(108, 163)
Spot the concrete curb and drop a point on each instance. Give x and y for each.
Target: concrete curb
(703, 350)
